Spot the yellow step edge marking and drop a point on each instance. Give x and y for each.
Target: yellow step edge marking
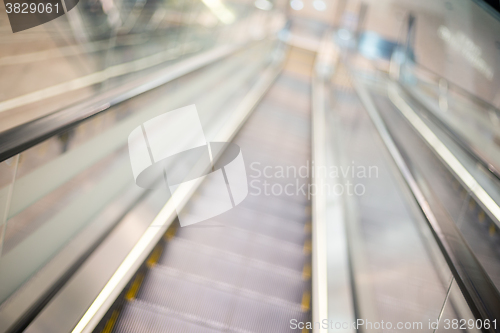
(308, 227)
(134, 288)
(481, 216)
(307, 246)
(171, 232)
(492, 230)
(472, 204)
(306, 299)
(306, 272)
(111, 322)
(154, 257)
(305, 330)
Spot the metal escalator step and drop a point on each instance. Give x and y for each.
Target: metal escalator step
(248, 244)
(235, 270)
(241, 271)
(265, 224)
(255, 316)
(178, 294)
(290, 207)
(287, 288)
(139, 317)
(217, 304)
(279, 206)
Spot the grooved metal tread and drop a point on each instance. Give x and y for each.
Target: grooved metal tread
(207, 302)
(249, 245)
(140, 317)
(237, 271)
(247, 270)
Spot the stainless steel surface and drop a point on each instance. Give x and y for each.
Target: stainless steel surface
(409, 239)
(240, 100)
(426, 176)
(396, 274)
(241, 271)
(472, 125)
(468, 167)
(332, 295)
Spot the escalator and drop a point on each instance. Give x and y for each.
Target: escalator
(247, 270)
(406, 241)
(445, 178)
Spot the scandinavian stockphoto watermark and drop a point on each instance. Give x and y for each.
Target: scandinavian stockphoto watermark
(400, 326)
(291, 180)
(171, 150)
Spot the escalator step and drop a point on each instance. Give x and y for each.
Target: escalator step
(235, 270)
(216, 304)
(241, 271)
(138, 317)
(265, 224)
(248, 244)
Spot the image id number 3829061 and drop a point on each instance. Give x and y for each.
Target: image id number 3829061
(470, 324)
(31, 8)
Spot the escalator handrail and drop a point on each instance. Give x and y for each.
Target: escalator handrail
(479, 291)
(471, 151)
(27, 135)
(459, 89)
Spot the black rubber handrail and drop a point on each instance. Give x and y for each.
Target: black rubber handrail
(27, 135)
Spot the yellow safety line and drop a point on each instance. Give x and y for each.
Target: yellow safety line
(111, 322)
(492, 229)
(306, 299)
(307, 246)
(306, 272)
(481, 216)
(308, 227)
(472, 204)
(155, 256)
(171, 232)
(134, 288)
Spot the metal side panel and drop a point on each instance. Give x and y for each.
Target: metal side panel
(248, 269)
(73, 301)
(23, 304)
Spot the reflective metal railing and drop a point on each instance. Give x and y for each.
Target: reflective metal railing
(65, 176)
